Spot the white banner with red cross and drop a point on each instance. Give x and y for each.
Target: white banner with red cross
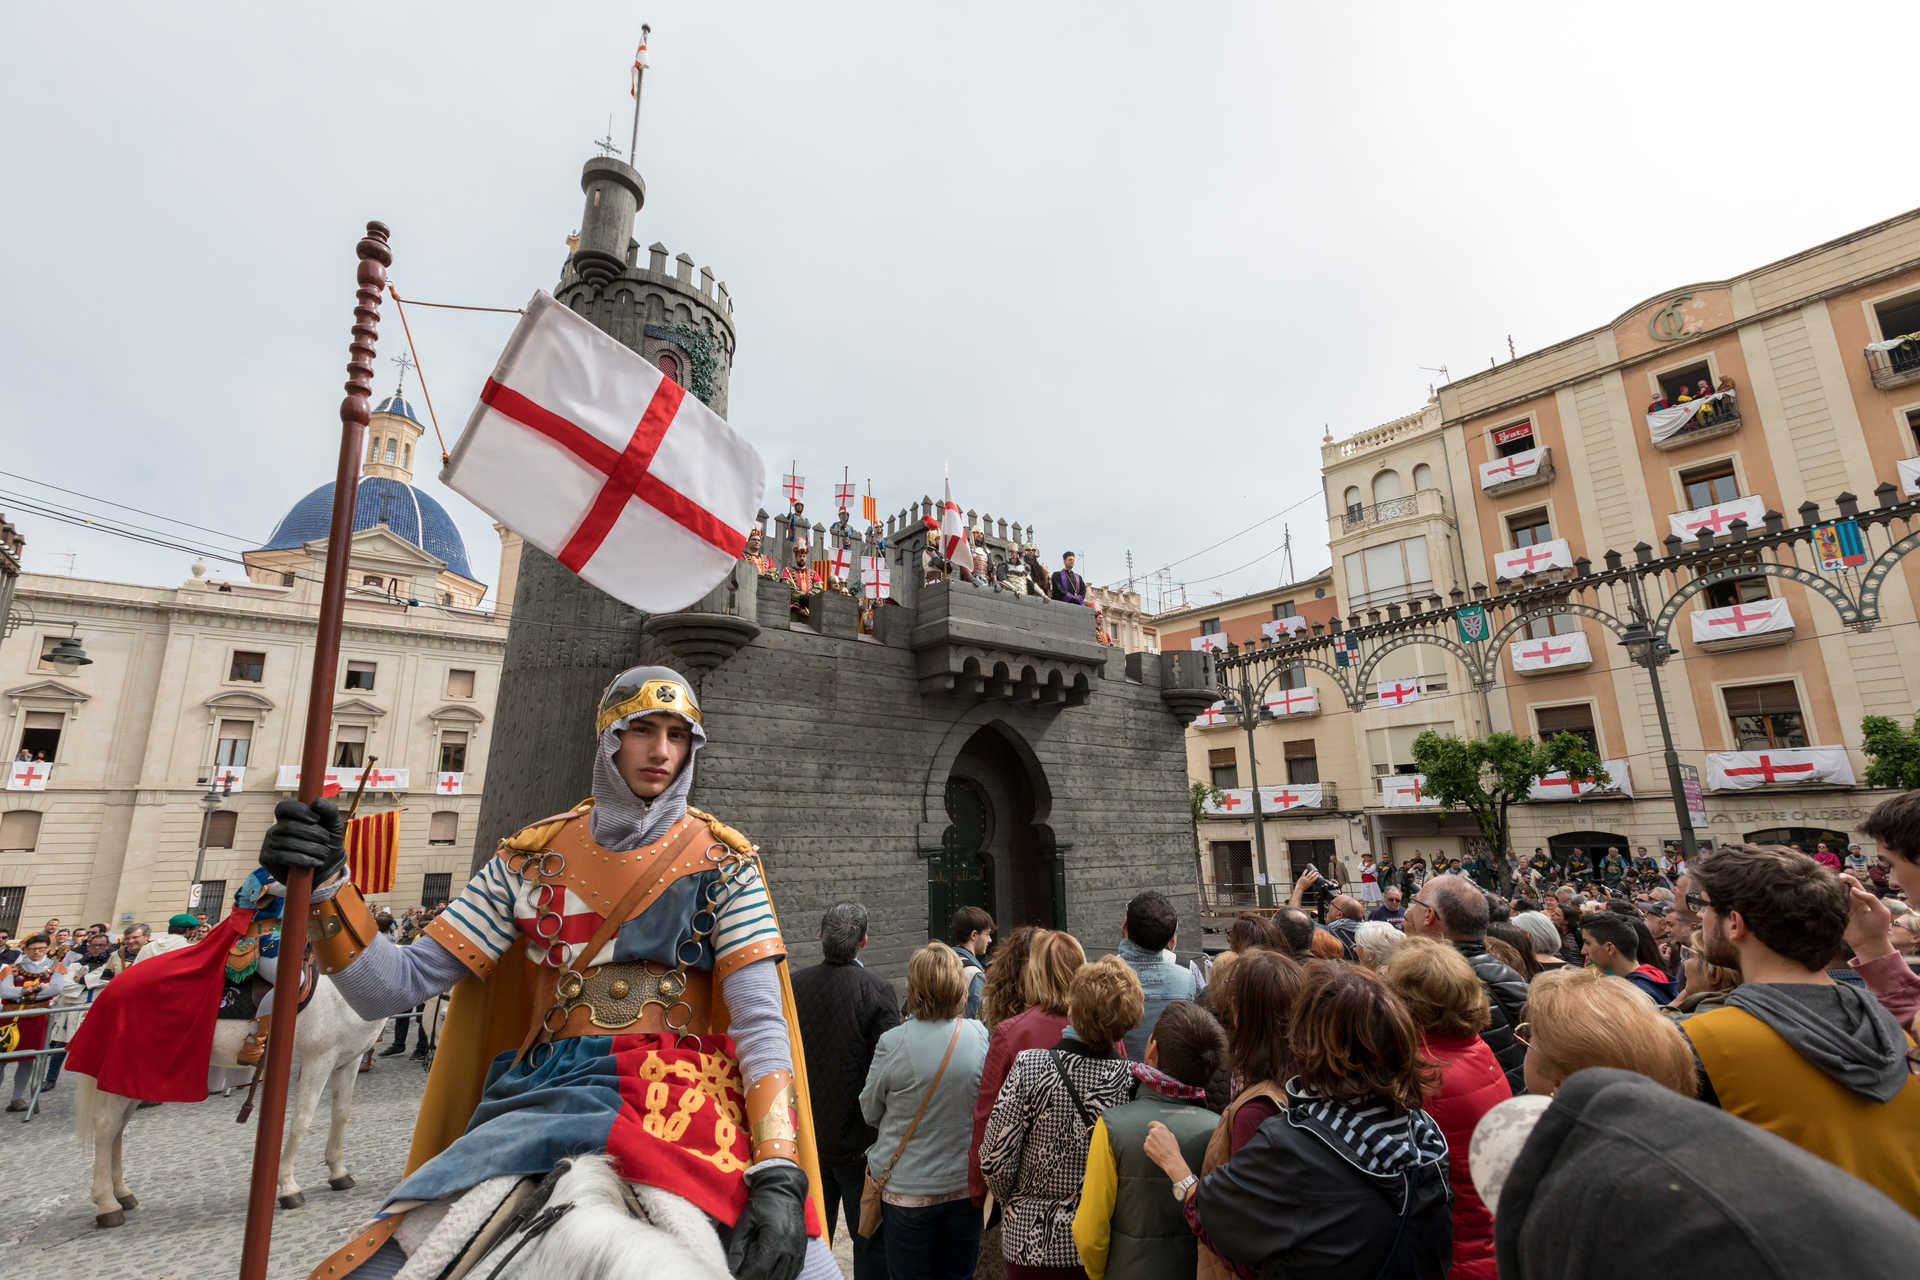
(1754, 618)
(1397, 693)
(346, 778)
(1718, 519)
(1283, 629)
(229, 777)
(1555, 653)
(1293, 702)
(1559, 785)
(29, 775)
(1237, 803)
(1217, 714)
(1515, 466)
(1665, 423)
(1300, 795)
(449, 784)
(1778, 767)
(1909, 469)
(840, 566)
(1213, 643)
(874, 577)
(1538, 558)
(1406, 791)
(589, 453)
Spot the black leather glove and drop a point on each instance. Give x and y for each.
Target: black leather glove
(770, 1240)
(305, 836)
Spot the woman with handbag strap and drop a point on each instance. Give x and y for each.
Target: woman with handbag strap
(919, 1095)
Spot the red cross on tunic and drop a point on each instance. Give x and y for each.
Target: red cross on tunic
(1715, 519)
(1738, 620)
(31, 776)
(1546, 653)
(1415, 791)
(1767, 769)
(627, 472)
(553, 923)
(1399, 692)
(1231, 802)
(1525, 561)
(1511, 467)
(448, 783)
(1286, 799)
(1283, 703)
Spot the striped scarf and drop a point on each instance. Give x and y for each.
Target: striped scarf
(1371, 1137)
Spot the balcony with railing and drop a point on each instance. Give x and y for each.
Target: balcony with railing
(1520, 470)
(1895, 362)
(1691, 421)
(1423, 502)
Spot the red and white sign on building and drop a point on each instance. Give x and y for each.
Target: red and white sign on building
(1558, 785)
(1215, 643)
(29, 775)
(1551, 653)
(1237, 803)
(1515, 466)
(1538, 558)
(1299, 795)
(875, 578)
(1406, 791)
(346, 778)
(1397, 693)
(589, 453)
(1293, 702)
(1719, 518)
(448, 784)
(1778, 767)
(1283, 629)
(1215, 714)
(1738, 622)
(229, 777)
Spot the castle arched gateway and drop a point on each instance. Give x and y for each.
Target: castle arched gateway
(995, 852)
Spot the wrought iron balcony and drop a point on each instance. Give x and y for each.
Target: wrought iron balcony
(1895, 366)
(1356, 517)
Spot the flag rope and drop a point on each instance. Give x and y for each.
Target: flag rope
(419, 369)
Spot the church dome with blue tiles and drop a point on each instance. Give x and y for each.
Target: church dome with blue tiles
(408, 512)
(399, 407)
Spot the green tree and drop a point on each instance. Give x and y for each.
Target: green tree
(1487, 775)
(1894, 752)
(1199, 796)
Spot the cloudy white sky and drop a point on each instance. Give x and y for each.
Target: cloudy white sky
(1116, 264)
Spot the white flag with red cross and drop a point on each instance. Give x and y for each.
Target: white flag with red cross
(449, 784)
(29, 775)
(843, 496)
(842, 563)
(1397, 693)
(875, 578)
(589, 453)
(953, 531)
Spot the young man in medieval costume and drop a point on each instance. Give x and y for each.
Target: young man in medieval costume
(622, 994)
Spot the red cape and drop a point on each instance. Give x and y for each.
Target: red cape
(149, 1033)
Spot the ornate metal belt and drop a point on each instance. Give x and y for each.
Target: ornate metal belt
(617, 995)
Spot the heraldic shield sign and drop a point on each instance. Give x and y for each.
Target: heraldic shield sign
(1473, 623)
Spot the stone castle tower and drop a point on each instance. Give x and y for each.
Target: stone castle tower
(976, 749)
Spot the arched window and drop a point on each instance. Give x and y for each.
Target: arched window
(1422, 477)
(406, 455)
(391, 451)
(1386, 486)
(669, 365)
(1354, 501)
(373, 449)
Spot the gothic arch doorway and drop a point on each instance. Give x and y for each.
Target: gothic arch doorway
(992, 854)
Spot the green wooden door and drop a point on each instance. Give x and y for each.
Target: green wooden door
(957, 875)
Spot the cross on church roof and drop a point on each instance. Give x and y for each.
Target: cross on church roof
(405, 362)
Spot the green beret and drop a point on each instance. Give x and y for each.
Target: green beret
(184, 920)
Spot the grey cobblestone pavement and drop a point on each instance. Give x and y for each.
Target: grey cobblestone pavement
(188, 1166)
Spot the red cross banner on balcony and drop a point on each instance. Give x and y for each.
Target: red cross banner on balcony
(1237, 803)
(1663, 424)
(228, 777)
(1303, 795)
(1215, 714)
(589, 453)
(1719, 517)
(29, 775)
(1293, 702)
(1406, 791)
(346, 778)
(1737, 621)
(1515, 466)
(1909, 469)
(1545, 653)
(874, 577)
(1538, 558)
(1559, 786)
(449, 784)
(1215, 643)
(1283, 629)
(1779, 767)
(1397, 693)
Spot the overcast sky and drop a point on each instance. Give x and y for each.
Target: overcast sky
(1115, 264)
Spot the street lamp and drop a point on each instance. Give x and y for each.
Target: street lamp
(1647, 649)
(1250, 714)
(67, 656)
(217, 791)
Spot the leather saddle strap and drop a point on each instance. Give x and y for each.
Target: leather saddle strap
(641, 889)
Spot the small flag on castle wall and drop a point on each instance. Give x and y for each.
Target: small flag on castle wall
(869, 510)
(373, 850)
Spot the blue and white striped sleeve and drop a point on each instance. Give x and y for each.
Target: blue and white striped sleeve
(744, 929)
(477, 927)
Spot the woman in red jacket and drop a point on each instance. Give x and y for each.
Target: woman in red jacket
(1448, 1003)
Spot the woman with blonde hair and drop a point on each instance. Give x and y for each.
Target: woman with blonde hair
(1707, 986)
(1033, 1153)
(1449, 1005)
(919, 1095)
(1579, 1018)
(1053, 957)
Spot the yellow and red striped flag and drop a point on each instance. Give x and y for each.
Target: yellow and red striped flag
(373, 850)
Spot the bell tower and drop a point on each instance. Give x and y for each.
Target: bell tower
(393, 433)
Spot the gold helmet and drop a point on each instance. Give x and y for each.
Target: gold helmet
(638, 690)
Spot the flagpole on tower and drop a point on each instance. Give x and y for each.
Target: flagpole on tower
(639, 74)
(355, 411)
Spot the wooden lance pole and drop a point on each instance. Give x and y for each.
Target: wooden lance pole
(355, 411)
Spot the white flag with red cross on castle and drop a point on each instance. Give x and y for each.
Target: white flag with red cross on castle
(29, 775)
(589, 453)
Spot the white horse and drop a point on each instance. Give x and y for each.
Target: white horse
(329, 1039)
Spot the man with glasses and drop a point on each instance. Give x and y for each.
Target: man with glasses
(1390, 909)
(1451, 909)
(1819, 1063)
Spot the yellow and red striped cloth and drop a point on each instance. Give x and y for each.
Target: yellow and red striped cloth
(373, 851)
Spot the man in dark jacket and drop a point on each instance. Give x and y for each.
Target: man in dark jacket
(1068, 585)
(1451, 909)
(843, 1009)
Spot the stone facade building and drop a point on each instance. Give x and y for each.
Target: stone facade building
(974, 748)
(173, 743)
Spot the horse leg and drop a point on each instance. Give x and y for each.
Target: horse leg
(343, 1080)
(109, 1119)
(313, 1078)
(120, 1192)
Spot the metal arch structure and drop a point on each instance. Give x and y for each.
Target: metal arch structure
(1513, 625)
(1479, 672)
(1288, 663)
(1877, 573)
(1851, 615)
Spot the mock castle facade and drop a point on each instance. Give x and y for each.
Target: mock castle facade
(977, 748)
